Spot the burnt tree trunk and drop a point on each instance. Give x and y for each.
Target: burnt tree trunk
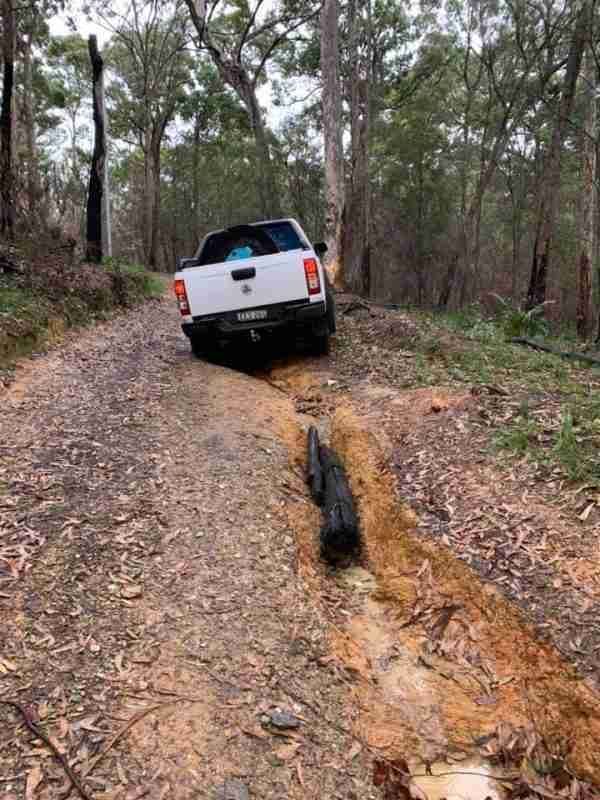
(315, 470)
(93, 251)
(550, 182)
(7, 187)
(340, 536)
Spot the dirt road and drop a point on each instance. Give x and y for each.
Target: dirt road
(147, 563)
(168, 623)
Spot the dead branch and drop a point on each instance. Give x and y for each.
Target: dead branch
(39, 734)
(122, 731)
(553, 351)
(355, 305)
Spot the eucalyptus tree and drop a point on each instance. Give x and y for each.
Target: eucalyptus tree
(332, 136)
(32, 30)
(67, 88)
(150, 68)
(209, 170)
(241, 40)
(505, 61)
(579, 20)
(209, 108)
(416, 186)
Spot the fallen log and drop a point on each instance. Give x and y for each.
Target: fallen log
(544, 348)
(339, 532)
(355, 305)
(315, 471)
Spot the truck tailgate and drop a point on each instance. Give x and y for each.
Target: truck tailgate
(215, 288)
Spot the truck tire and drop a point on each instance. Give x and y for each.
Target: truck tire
(203, 348)
(320, 344)
(331, 323)
(197, 346)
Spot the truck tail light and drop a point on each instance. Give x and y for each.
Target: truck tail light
(182, 300)
(311, 270)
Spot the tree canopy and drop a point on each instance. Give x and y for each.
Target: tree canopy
(446, 150)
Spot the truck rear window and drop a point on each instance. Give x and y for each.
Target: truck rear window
(248, 241)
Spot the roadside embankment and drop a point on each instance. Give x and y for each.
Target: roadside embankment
(43, 292)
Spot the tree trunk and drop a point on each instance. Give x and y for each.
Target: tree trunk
(516, 187)
(198, 124)
(155, 224)
(466, 258)
(332, 135)
(267, 181)
(448, 283)
(106, 214)
(94, 199)
(148, 200)
(33, 182)
(588, 191)
(357, 220)
(235, 74)
(7, 188)
(550, 183)
(419, 233)
(460, 261)
(597, 239)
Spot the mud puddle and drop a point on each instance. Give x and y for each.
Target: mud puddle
(472, 780)
(402, 681)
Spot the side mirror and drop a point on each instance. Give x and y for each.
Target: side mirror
(320, 248)
(182, 263)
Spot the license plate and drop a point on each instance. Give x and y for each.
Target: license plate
(250, 316)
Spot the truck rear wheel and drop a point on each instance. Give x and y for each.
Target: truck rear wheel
(331, 324)
(320, 344)
(203, 348)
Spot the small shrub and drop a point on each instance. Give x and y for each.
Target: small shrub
(519, 322)
(483, 331)
(431, 346)
(576, 458)
(465, 318)
(519, 438)
(131, 282)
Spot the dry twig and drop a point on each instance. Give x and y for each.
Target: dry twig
(39, 734)
(124, 729)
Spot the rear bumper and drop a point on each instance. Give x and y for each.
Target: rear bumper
(298, 313)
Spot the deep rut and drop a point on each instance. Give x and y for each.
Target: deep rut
(444, 666)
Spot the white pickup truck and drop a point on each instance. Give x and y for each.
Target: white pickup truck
(252, 281)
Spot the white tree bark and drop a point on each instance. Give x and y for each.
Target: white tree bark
(332, 134)
(106, 220)
(357, 211)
